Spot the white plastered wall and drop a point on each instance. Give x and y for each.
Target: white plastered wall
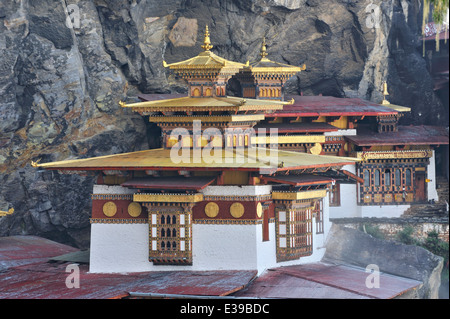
(318, 244)
(349, 207)
(123, 248)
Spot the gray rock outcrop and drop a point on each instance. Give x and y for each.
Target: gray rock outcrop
(61, 82)
(353, 247)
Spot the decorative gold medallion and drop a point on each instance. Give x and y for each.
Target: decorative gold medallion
(316, 149)
(134, 209)
(211, 210)
(109, 209)
(237, 210)
(259, 210)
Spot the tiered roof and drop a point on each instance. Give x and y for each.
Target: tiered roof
(267, 67)
(235, 159)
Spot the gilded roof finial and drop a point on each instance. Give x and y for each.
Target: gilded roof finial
(263, 53)
(207, 42)
(385, 93)
(9, 212)
(35, 164)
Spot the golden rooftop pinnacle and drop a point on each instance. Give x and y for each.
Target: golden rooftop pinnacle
(207, 42)
(385, 93)
(263, 53)
(388, 104)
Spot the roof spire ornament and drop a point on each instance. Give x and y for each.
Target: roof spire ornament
(207, 42)
(385, 93)
(263, 53)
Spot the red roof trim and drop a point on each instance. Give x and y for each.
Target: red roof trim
(299, 180)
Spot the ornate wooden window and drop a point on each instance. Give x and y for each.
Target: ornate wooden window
(294, 233)
(170, 236)
(366, 178)
(390, 181)
(387, 178)
(377, 178)
(408, 177)
(398, 177)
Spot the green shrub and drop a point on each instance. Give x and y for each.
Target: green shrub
(405, 236)
(432, 243)
(373, 231)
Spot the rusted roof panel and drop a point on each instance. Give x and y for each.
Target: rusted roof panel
(48, 281)
(21, 250)
(26, 274)
(320, 280)
(406, 135)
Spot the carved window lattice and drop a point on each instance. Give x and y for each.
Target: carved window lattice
(318, 212)
(389, 181)
(170, 238)
(294, 233)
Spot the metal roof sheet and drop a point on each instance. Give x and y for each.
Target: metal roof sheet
(312, 106)
(21, 250)
(205, 59)
(237, 159)
(26, 274)
(232, 102)
(406, 135)
(321, 280)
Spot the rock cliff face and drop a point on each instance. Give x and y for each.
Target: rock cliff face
(353, 247)
(64, 66)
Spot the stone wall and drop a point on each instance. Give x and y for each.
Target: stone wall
(390, 227)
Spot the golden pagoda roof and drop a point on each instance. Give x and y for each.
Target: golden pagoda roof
(205, 60)
(266, 65)
(229, 103)
(241, 159)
